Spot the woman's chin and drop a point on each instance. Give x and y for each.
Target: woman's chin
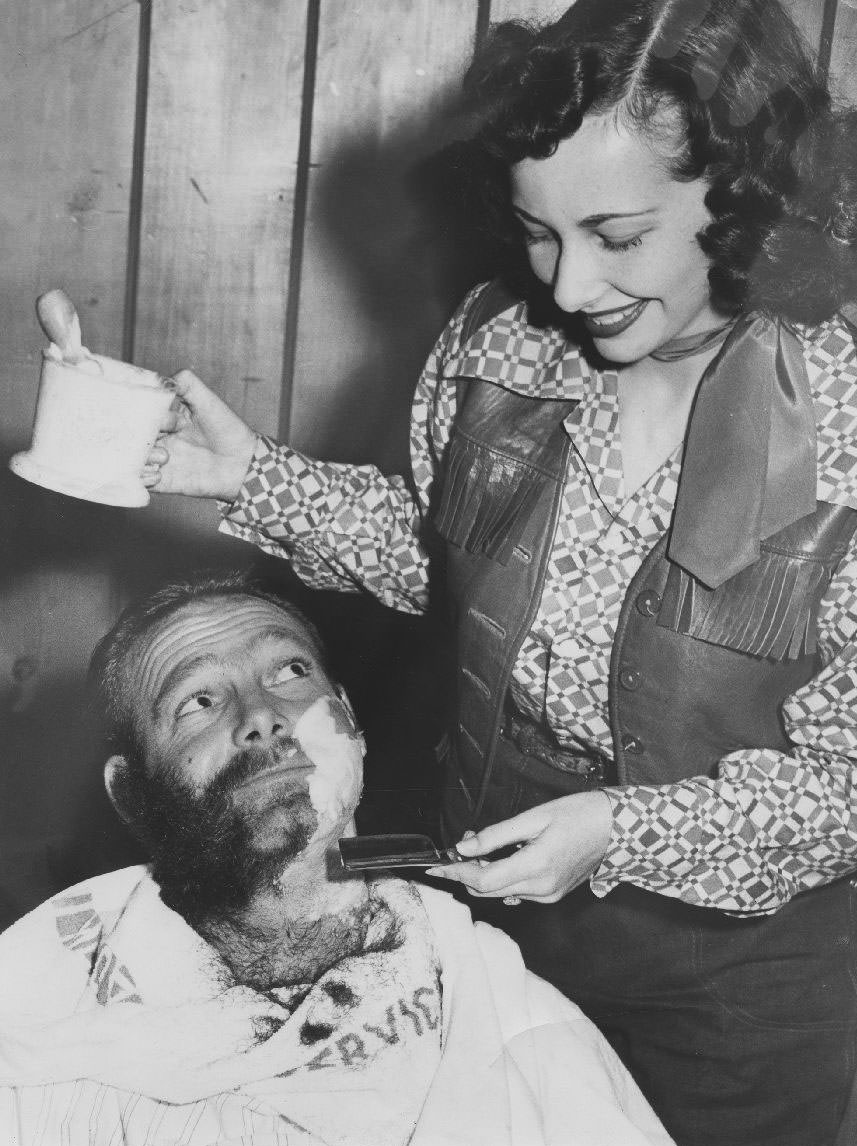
(623, 350)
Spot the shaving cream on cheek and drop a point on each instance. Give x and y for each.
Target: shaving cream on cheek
(335, 782)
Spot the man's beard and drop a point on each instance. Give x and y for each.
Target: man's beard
(205, 847)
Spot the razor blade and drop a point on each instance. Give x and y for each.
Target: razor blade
(379, 852)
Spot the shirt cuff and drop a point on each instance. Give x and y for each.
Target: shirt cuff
(606, 875)
(272, 486)
(653, 839)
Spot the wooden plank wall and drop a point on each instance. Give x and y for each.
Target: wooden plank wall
(843, 51)
(228, 187)
(368, 307)
(67, 92)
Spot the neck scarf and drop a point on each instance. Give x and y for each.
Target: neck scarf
(692, 344)
(750, 460)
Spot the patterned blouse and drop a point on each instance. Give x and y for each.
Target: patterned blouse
(770, 824)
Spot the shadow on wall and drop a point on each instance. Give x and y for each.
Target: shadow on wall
(395, 221)
(408, 253)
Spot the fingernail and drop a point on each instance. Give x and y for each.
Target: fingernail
(438, 872)
(467, 847)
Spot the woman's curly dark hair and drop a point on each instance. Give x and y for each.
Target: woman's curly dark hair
(758, 125)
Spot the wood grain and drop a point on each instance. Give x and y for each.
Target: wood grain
(67, 74)
(808, 15)
(843, 59)
(373, 294)
(538, 10)
(67, 85)
(222, 130)
(222, 138)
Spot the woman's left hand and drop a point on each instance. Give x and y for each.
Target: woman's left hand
(561, 844)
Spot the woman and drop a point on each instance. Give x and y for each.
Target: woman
(644, 476)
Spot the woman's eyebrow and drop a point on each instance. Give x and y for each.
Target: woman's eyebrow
(590, 220)
(526, 215)
(597, 220)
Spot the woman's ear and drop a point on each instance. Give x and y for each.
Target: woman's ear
(116, 783)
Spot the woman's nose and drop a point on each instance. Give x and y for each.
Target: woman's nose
(577, 279)
(261, 718)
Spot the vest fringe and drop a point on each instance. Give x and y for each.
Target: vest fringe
(767, 610)
(487, 500)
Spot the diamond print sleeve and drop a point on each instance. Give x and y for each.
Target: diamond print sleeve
(341, 527)
(770, 825)
(349, 527)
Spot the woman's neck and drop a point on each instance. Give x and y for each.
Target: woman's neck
(655, 402)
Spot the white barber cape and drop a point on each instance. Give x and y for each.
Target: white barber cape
(118, 1027)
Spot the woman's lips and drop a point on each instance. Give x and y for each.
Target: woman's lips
(609, 323)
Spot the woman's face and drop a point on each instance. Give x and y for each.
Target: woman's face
(614, 235)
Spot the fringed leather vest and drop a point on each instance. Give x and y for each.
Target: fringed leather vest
(695, 673)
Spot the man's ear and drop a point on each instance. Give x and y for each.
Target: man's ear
(116, 783)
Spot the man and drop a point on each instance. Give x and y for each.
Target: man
(243, 988)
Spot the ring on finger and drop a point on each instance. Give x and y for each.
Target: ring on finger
(511, 900)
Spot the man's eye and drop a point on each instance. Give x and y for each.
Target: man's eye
(291, 670)
(196, 703)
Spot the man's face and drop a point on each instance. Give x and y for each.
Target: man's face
(249, 756)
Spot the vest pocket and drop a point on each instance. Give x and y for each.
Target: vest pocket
(768, 609)
(487, 499)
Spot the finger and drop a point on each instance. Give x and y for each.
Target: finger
(501, 878)
(200, 404)
(186, 384)
(158, 456)
(172, 419)
(519, 898)
(518, 829)
(193, 395)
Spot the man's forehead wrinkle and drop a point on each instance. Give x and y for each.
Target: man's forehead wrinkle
(206, 630)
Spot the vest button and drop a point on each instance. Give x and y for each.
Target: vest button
(630, 678)
(632, 745)
(648, 603)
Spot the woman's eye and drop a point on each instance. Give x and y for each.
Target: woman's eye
(534, 238)
(196, 703)
(621, 244)
(291, 670)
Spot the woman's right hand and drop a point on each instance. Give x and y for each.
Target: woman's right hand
(204, 448)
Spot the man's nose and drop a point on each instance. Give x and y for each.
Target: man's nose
(261, 719)
(577, 278)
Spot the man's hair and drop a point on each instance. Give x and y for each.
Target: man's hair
(755, 121)
(109, 668)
